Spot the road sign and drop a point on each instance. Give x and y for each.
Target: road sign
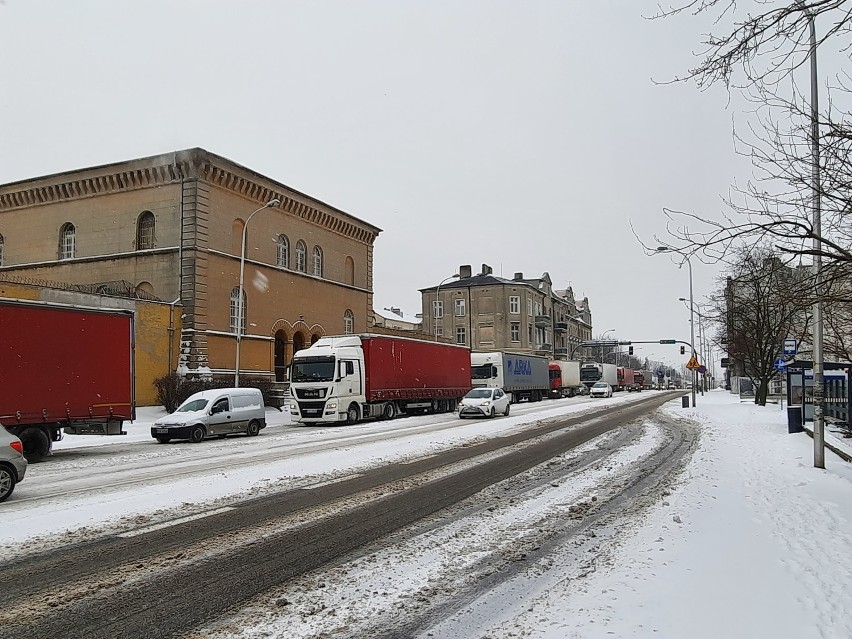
(667, 341)
(726, 361)
(780, 364)
(702, 369)
(790, 347)
(693, 364)
(660, 373)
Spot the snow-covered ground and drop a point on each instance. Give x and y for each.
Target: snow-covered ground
(751, 541)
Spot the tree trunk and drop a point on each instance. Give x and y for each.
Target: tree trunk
(761, 392)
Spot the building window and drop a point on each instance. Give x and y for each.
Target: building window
(1, 250)
(529, 333)
(438, 309)
(348, 322)
(317, 261)
(529, 306)
(460, 308)
(515, 328)
(439, 331)
(235, 310)
(145, 231)
(301, 257)
(461, 335)
(514, 305)
(67, 241)
(282, 255)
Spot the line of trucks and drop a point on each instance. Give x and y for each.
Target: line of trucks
(70, 369)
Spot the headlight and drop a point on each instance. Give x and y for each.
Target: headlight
(487, 402)
(331, 405)
(293, 407)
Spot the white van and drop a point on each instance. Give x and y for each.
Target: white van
(218, 412)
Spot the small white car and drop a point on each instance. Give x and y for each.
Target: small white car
(484, 402)
(600, 389)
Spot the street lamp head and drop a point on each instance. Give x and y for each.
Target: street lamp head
(681, 299)
(273, 202)
(663, 249)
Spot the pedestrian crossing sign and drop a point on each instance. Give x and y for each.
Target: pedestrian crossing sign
(693, 364)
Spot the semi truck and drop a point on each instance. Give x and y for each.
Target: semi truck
(564, 378)
(638, 381)
(624, 378)
(523, 376)
(591, 372)
(64, 368)
(347, 378)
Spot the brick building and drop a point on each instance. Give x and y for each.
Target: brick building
(172, 225)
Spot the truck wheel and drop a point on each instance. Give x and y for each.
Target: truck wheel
(389, 411)
(352, 415)
(7, 482)
(253, 428)
(36, 444)
(197, 434)
(164, 440)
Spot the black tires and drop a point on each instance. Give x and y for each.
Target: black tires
(352, 415)
(389, 411)
(493, 413)
(253, 429)
(8, 479)
(36, 444)
(164, 440)
(506, 412)
(197, 434)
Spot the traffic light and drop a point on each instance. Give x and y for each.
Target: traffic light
(630, 350)
(683, 350)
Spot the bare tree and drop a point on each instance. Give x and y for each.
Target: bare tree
(763, 301)
(758, 55)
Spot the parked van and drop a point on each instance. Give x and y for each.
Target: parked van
(218, 412)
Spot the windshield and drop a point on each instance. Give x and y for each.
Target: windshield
(479, 393)
(483, 371)
(192, 406)
(600, 385)
(590, 374)
(312, 369)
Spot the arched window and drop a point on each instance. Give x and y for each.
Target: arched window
(301, 257)
(283, 251)
(1, 249)
(67, 241)
(348, 322)
(317, 261)
(235, 310)
(145, 231)
(349, 269)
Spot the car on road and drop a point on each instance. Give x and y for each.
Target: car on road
(13, 464)
(218, 412)
(484, 402)
(600, 389)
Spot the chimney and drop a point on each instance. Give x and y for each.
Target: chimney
(486, 270)
(465, 271)
(518, 276)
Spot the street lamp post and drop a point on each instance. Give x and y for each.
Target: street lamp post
(603, 337)
(665, 249)
(435, 305)
(239, 327)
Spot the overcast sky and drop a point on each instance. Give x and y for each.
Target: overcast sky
(525, 135)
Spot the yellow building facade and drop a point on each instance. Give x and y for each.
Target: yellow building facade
(172, 225)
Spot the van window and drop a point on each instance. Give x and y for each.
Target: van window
(192, 406)
(221, 406)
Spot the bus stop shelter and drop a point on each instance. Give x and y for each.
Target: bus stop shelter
(837, 390)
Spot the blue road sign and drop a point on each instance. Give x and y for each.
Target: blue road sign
(780, 364)
(790, 347)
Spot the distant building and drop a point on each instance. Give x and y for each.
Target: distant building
(396, 319)
(486, 312)
(172, 226)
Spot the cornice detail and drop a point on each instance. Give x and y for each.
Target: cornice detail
(89, 187)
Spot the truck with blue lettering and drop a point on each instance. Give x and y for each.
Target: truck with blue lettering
(523, 376)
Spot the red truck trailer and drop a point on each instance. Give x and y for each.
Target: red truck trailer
(346, 378)
(638, 381)
(64, 367)
(624, 377)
